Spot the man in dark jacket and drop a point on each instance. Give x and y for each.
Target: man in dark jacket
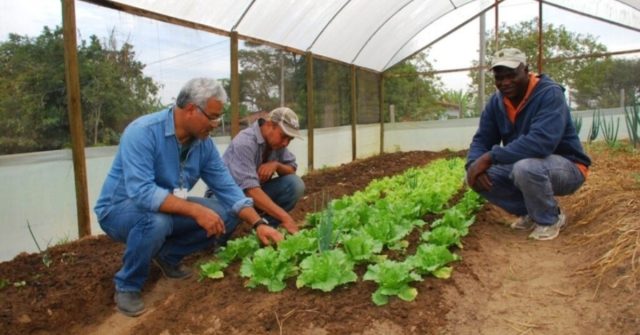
(541, 155)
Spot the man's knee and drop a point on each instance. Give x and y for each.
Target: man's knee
(160, 225)
(296, 185)
(524, 169)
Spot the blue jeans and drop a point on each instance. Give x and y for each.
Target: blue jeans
(153, 234)
(528, 187)
(285, 191)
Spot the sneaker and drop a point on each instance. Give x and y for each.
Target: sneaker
(523, 223)
(129, 303)
(544, 233)
(172, 271)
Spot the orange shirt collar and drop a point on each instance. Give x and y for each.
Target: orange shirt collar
(512, 111)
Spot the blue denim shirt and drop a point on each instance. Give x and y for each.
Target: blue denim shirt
(147, 167)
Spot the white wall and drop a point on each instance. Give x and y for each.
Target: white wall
(39, 187)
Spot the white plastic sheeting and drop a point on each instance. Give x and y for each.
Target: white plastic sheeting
(373, 34)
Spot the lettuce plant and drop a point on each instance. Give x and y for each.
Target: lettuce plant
(443, 235)
(393, 279)
(269, 268)
(360, 248)
(430, 258)
(326, 270)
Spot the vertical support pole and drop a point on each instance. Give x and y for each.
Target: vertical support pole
(235, 86)
(354, 111)
(310, 112)
(540, 32)
(72, 78)
(381, 100)
(482, 54)
(497, 27)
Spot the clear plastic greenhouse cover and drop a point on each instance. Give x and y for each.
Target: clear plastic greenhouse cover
(373, 34)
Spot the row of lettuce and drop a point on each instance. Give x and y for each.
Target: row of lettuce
(359, 229)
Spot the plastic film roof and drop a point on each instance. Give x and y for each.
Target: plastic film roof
(373, 34)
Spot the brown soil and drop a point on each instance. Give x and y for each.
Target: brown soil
(583, 282)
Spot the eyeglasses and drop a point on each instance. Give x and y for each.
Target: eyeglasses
(211, 119)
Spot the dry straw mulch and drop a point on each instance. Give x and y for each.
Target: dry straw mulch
(607, 208)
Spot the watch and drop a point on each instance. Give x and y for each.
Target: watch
(260, 221)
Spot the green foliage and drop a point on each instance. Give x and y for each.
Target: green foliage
(393, 279)
(577, 123)
(269, 268)
(33, 96)
(238, 248)
(558, 42)
(632, 120)
(609, 132)
(326, 270)
(595, 126)
(361, 247)
(606, 82)
(461, 100)
(415, 96)
(303, 243)
(325, 231)
(361, 226)
(443, 236)
(430, 258)
(213, 270)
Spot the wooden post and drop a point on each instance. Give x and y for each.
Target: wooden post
(310, 113)
(76, 127)
(540, 39)
(235, 86)
(381, 99)
(354, 111)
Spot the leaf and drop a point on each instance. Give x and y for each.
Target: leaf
(267, 267)
(324, 271)
(212, 270)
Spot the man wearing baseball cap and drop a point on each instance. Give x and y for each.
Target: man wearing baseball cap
(526, 150)
(265, 169)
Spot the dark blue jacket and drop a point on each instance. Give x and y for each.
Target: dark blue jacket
(543, 127)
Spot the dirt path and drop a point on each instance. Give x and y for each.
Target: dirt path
(514, 285)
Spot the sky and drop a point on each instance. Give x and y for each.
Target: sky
(174, 54)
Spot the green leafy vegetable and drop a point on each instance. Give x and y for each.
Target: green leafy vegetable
(326, 270)
(444, 236)
(238, 248)
(269, 268)
(430, 258)
(213, 269)
(393, 279)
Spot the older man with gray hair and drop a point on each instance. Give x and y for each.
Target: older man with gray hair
(261, 164)
(144, 201)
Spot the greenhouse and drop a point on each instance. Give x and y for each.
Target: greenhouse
(389, 95)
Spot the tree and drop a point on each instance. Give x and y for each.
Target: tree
(33, 97)
(601, 83)
(461, 100)
(414, 95)
(557, 42)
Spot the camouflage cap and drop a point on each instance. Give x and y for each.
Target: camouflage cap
(288, 121)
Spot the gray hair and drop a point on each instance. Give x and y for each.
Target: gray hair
(199, 91)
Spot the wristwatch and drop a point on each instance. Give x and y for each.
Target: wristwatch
(260, 221)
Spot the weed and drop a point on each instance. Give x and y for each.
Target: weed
(46, 258)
